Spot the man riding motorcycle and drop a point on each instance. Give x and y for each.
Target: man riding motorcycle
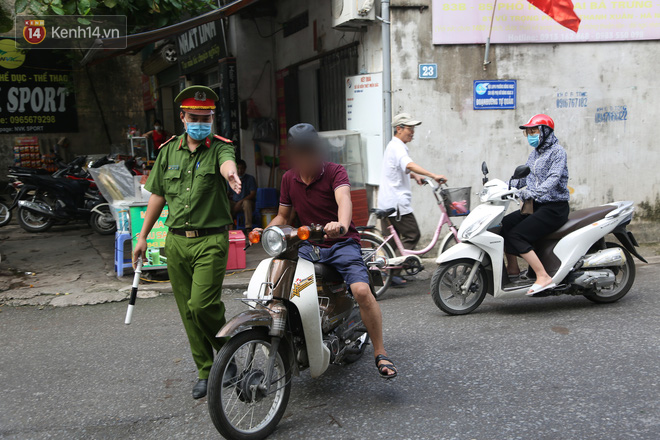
(319, 193)
(545, 197)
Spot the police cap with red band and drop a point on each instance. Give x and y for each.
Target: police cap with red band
(197, 100)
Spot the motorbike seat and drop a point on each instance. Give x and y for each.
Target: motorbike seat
(383, 213)
(579, 219)
(327, 274)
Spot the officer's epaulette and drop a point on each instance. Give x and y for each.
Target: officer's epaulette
(223, 139)
(166, 142)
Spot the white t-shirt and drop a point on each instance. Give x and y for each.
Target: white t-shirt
(394, 190)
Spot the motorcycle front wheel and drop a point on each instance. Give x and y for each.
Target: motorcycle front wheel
(5, 214)
(370, 243)
(33, 222)
(239, 406)
(103, 223)
(446, 288)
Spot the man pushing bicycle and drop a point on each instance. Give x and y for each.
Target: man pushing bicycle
(394, 191)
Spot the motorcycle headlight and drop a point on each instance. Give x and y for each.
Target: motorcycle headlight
(483, 195)
(274, 241)
(472, 229)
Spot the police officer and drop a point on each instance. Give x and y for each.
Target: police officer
(191, 175)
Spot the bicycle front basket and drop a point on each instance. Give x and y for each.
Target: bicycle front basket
(457, 201)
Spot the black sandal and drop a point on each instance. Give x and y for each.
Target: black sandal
(382, 368)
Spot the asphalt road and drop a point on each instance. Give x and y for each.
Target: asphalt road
(548, 368)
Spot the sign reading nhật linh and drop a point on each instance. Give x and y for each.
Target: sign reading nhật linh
(200, 47)
(495, 94)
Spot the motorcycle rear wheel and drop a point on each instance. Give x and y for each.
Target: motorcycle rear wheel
(5, 214)
(33, 222)
(104, 223)
(625, 278)
(232, 398)
(446, 292)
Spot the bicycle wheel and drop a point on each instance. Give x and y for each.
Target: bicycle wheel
(370, 243)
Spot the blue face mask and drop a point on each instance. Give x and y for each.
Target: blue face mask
(534, 140)
(198, 130)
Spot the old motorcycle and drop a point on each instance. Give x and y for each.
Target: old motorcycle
(576, 256)
(301, 316)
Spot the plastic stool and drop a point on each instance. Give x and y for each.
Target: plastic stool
(121, 263)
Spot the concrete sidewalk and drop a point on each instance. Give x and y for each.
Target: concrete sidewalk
(72, 265)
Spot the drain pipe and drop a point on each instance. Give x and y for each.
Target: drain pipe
(387, 72)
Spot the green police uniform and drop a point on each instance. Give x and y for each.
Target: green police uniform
(196, 195)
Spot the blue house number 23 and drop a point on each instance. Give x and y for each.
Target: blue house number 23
(428, 71)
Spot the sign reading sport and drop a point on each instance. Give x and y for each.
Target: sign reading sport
(517, 21)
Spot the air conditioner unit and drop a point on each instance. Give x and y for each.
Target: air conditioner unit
(352, 14)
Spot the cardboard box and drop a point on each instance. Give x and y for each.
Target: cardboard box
(236, 258)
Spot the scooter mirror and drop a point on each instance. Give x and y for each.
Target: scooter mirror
(520, 172)
(484, 168)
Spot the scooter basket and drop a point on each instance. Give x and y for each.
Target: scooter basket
(457, 201)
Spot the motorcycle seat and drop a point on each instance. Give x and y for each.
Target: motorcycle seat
(327, 274)
(383, 213)
(579, 219)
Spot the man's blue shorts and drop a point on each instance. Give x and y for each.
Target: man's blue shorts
(345, 257)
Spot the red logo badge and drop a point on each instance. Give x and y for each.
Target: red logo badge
(34, 31)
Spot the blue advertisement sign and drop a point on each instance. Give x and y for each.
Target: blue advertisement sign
(428, 71)
(495, 94)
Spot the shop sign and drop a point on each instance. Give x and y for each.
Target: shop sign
(200, 47)
(495, 95)
(517, 21)
(149, 92)
(227, 112)
(36, 91)
(155, 255)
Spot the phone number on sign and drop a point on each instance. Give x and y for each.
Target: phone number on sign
(48, 119)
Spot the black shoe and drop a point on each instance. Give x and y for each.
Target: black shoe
(199, 390)
(231, 374)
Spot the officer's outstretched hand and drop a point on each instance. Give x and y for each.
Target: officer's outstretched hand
(234, 182)
(139, 251)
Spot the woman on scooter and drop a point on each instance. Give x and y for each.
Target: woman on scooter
(545, 196)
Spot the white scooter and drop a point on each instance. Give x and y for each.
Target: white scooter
(301, 316)
(576, 256)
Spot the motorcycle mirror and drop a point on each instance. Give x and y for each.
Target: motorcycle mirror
(520, 172)
(484, 169)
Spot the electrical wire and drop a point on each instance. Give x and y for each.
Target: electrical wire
(259, 30)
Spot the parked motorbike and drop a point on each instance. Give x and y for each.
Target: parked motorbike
(301, 317)
(6, 190)
(576, 256)
(45, 200)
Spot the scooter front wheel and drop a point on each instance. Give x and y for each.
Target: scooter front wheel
(447, 287)
(241, 407)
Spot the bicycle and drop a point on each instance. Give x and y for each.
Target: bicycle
(379, 255)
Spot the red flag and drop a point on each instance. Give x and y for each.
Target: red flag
(561, 11)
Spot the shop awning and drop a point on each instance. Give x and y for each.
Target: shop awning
(110, 47)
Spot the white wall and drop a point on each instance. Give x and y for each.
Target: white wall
(607, 160)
